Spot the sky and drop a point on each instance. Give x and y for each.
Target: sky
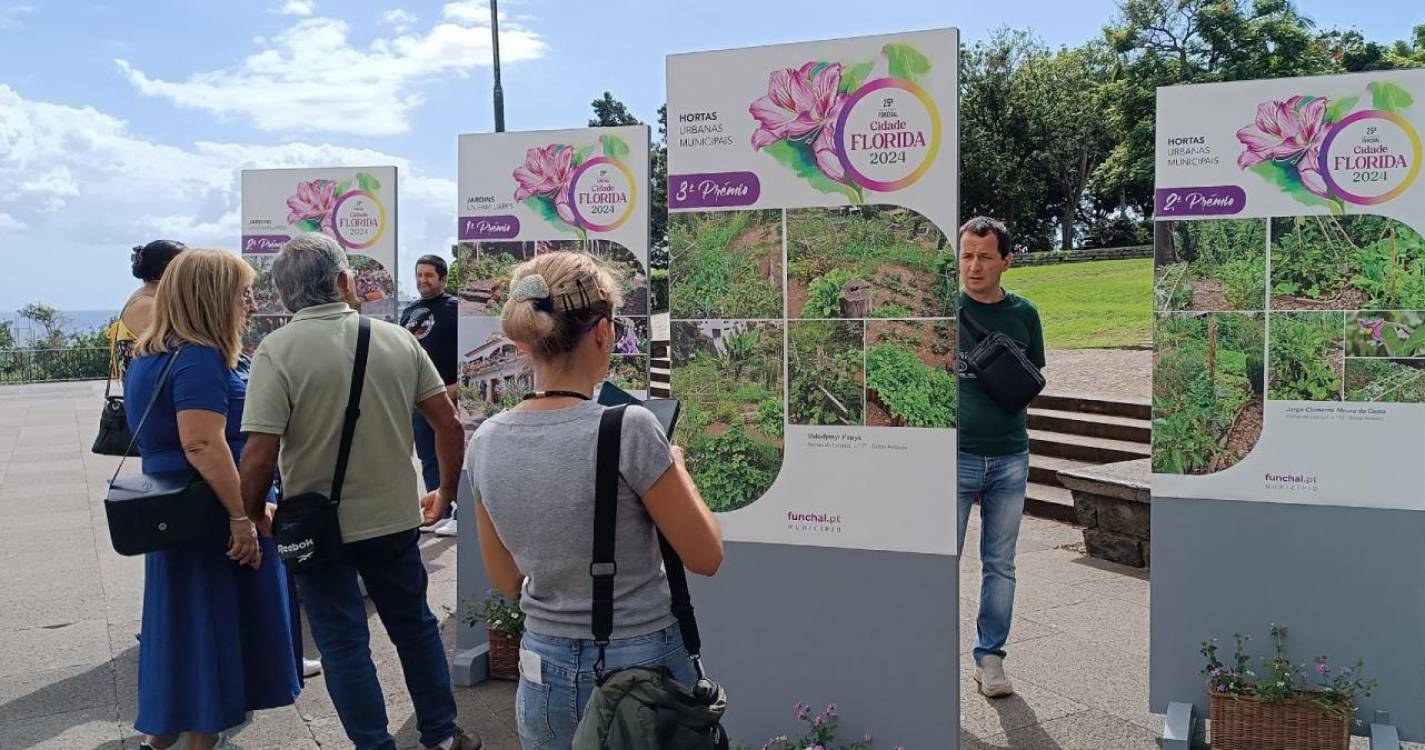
(122, 122)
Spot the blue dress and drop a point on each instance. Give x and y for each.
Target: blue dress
(215, 635)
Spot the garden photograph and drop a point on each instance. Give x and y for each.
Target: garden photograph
(1211, 266)
(725, 264)
(826, 373)
(494, 376)
(635, 336)
(1346, 263)
(1306, 356)
(868, 262)
(264, 290)
(1385, 333)
(480, 275)
(629, 372)
(258, 326)
(728, 375)
(1207, 390)
(1386, 381)
(375, 286)
(910, 373)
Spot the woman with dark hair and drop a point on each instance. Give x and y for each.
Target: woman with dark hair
(149, 262)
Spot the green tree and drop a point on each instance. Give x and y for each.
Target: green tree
(1357, 54)
(7, 335)
(51, 321)
(1169, 42)
(610, 112)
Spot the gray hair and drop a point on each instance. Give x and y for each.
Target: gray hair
(306, 270)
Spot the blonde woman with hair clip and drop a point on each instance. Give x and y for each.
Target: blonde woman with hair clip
(533, 470)
(215, 617)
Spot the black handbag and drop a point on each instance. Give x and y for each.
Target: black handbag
(307, 529)
(152, 512)
(114, 438)
(1000, 366)
(684, 716)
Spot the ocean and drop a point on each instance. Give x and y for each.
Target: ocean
(75, 321)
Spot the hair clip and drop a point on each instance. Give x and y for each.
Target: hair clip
(531, 287)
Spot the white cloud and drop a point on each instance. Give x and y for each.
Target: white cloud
(311, 78)
(77, 184)
(11, 16)
(297, 8)
(401, 19)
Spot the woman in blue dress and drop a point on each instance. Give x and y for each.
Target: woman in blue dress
(215, 634)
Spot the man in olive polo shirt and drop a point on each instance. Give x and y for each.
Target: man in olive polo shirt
(296, 400)
(993, 459)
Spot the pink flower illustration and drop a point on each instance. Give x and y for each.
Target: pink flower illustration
(803, 104)
(314, 201)
(546, 171)
(1288, 131)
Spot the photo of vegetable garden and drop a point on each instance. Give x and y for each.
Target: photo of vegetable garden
(728, 375)
(1399, 381)
(1207, 390)
(258, 326)
(868, 262)
(725, 264)
(629, 372)
(1210, 266)
(1307, 356)
(1385, 333)
(375, 286)
(264, 290)
(1346, 263)
(910, 373)
(826, 372)
(480, 275)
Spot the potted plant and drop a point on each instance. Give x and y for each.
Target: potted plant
(504, 624)
(820, 733)
(1296, 705)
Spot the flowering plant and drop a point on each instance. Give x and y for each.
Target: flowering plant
(500, 615)
(543, 182)
(1283, 142)
(310, 207)
(1335, 690)
(820, 733)
(797, 118)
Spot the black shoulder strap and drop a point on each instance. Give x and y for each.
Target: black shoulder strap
(603, 568)
(977, 331)
(353, 406)
(157, 389)
(682, 599)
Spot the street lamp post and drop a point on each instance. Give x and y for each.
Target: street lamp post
(495, 45)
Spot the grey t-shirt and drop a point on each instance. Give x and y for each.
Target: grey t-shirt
(534, 473)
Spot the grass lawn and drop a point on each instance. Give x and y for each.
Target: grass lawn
(1096, 305)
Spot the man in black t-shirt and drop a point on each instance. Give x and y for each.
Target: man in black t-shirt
(433, 321)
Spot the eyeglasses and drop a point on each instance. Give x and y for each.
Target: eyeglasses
(620, 326)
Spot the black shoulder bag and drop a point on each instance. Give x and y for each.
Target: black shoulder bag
(1000, 366)
(152, 512)
(307, 529)
(113, 438)
(638, 707)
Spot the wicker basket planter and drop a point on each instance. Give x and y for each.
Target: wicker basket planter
(1243, 723)
(504, 656)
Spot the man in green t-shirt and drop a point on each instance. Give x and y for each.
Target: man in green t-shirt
(993, 459)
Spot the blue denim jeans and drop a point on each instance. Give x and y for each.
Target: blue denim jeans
(425, 451)
(396, 580)
(998, 482)
(547, 714)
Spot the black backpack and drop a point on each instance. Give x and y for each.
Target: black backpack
(638, 708)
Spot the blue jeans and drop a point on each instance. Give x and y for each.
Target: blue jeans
(425, 450)
(547, 714)
(396, 580)
(998, 482)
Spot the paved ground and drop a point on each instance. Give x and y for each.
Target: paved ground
(69, 609)
(1104, 372)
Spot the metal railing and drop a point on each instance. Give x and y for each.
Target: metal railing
(53, 365)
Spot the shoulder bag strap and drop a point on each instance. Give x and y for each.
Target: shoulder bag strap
(603, 568)
(977, 331)
(353, 407)
(157, 389)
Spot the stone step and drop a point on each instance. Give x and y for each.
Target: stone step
(1049, 501)
(1094, 450)
(1092, 425)
(1135, 408)
(1045, 469)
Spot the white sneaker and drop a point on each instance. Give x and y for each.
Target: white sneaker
(311, 667)
(447, 528)
(428, 528)
(990, 676)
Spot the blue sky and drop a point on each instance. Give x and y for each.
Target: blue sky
(126, 121)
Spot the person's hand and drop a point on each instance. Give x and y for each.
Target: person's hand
(243, 548)
(264, 524)
(433, 506)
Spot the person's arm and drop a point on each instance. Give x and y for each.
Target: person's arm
(500, 565)
(203, 435)
(1036, 341)
(439, 412)
(139, 315)
(259, 464)
(680, 513)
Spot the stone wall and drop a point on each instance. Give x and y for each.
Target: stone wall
(1083, 256)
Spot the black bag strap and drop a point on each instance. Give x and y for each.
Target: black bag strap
(353, 407)
(977, 332)
(157, 389)
(682, 600)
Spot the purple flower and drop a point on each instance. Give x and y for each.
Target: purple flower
(818, 721)
(1346, 671)
(1375, 325)
(629, 343)
(1285, 132)
(803, 712)
(803, 104)
(313, 200)
(1323, 668)
(867, 739)
(547, 171)
(831, 710)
